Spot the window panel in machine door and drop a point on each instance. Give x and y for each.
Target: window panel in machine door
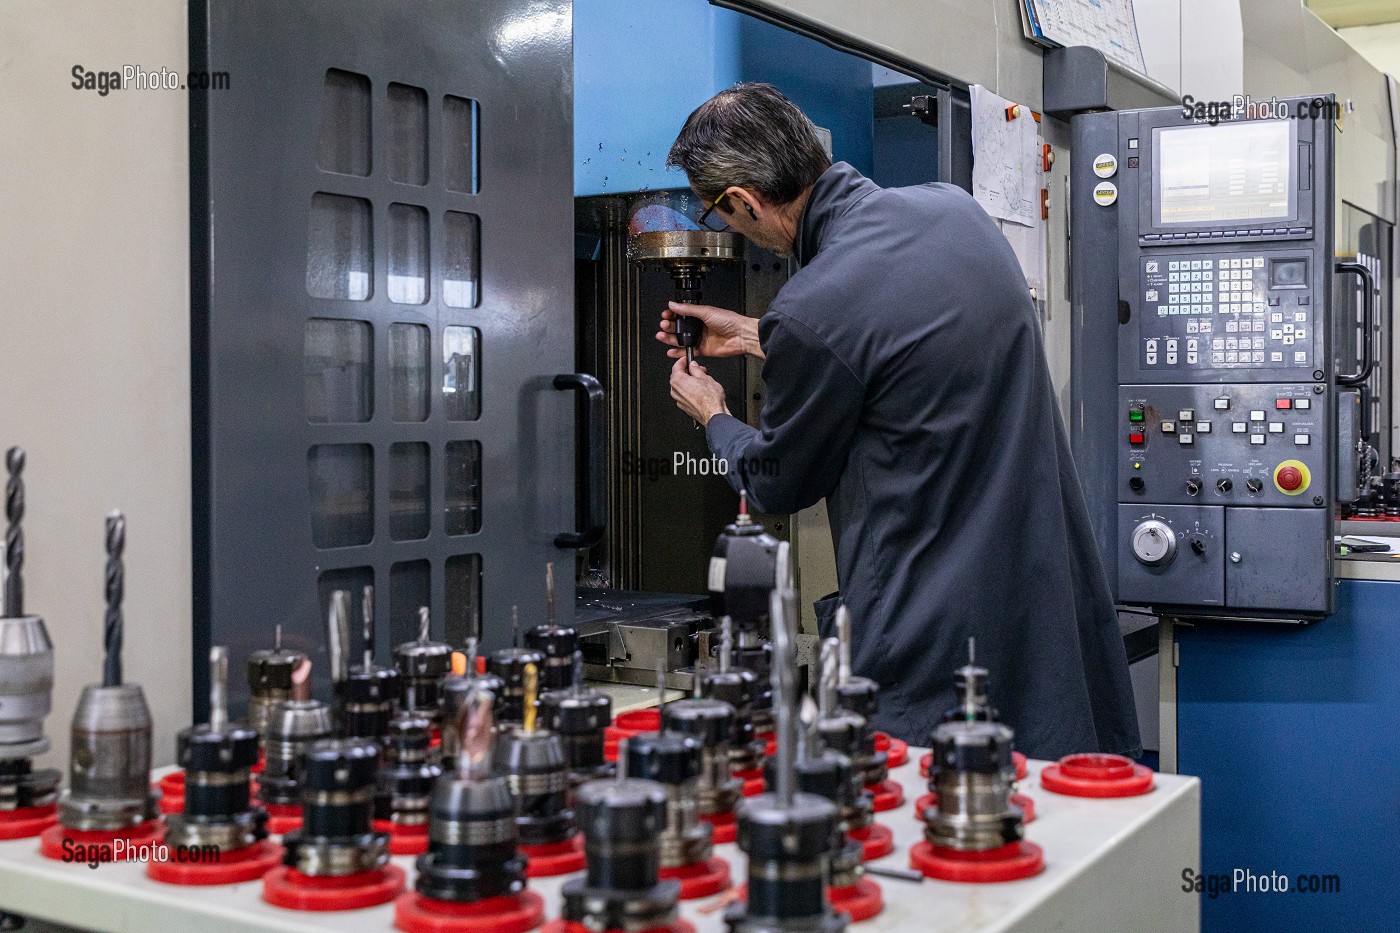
(382, 246)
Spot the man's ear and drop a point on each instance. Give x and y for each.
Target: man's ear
(745, 197)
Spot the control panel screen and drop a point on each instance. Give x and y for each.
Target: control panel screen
(1225, 173)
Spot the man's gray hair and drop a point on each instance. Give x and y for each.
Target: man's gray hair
(753, 137)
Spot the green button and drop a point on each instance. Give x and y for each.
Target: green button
(1134, 416)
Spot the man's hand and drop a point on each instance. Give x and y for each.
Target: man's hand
(726, 333)
(696, 393)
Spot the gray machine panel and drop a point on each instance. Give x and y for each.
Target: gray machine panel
(1203, 269)
(382, 294)
(1278, 559)
(1222, 444)
(1189, 570)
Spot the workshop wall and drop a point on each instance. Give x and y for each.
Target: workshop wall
(95, 321)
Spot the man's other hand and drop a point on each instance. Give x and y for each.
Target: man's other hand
(726, 333)
(696, 393)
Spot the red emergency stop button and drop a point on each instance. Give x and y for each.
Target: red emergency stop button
(1292, 477)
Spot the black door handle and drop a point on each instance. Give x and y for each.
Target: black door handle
(1368, 323)
(593, 477)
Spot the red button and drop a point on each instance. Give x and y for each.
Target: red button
(1135, 438)
(1283, 403)
(1289, 478)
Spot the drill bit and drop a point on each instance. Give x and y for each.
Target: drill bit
(14, 534)
(531, 691)
(826, 694)
(549, 592)
(470, 658)
(578, 673)
(423, 622)
(808, 749)
(116, 582)
(338, 636)
(843, 635)
(301, 681)
(277, 637)
(474, 746)
(726, 644)
(218, 688)
(783, 702)
(515, 626)
(367, 614)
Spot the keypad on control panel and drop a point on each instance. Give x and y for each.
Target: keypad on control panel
(1217, 312)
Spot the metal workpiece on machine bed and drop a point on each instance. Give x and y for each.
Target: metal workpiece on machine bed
(110, 761)
(218, 758)
(422, 664)
(336, 837)
(622, 821)
(26, 669)
(673, 760)
(269, 673)
(710, 723)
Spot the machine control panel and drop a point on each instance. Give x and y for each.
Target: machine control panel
(1209, 311)
(1250, 445)
(1224, 390)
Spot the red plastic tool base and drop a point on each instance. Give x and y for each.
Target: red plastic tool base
(172, 792)
(247, 864)
(897, 750)
(85, 844)
(626, 725)
(289, 888)
(1026, 804)
(1097, 776)
(569, 926)
(1016, 757)
(876, 841)
(404, 840)
(700, 879)
(888, 795)
(513, 913)
(24, 822)
(1011, 862)
(753, 783)
(724, 825)
(282, 818)
(860, 901)
(555, 858)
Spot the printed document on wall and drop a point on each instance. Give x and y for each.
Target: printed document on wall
(1005, 159)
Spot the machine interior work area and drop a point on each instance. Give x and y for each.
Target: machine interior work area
(683, 466)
